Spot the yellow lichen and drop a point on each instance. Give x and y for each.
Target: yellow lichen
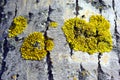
(75, 78)
(17, 27)
(53, 24)
(93, 36)
(33, 47)
(49, 44)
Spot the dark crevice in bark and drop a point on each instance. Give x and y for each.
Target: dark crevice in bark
(77, 13)
(101, 74)
(116, 32)
(100, 9)
(99, 66)
(50, 66)
(50, 10)
(113, 4)
(71, 49)
(99, 69)
(2, 2)
(77, 8)
(2, 14)
(48, 59)
(102, 3)
(15, 10)
(37, 1)
(99, 4)
(6, 50)
(82, 73)
(31, 15)
(4, 45)
(117, 40)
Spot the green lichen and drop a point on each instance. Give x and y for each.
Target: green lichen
(93, 36)
(17, 27)
(35, 46)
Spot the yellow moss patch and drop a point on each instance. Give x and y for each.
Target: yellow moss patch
(18, 26)
(53, 24)
(93, 36)
(33, 47)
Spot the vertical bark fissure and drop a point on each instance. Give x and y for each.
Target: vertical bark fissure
(2, 14)
(15, 10)
(82, 73)
(48, 59)
(4, 46)
(100, 9)
(117, 35)
(99, 69)
(37, 1)
(50, 66)
(6, 50)
(77, 8)
(77, 12)
(71, 49)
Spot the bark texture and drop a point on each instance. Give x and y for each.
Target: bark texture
(62, 63)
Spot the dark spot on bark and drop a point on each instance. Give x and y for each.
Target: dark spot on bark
(31, 15)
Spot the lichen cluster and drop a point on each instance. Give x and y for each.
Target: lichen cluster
(53, 24)
(35, 46)
(93, 36)
(17, 27)
(49, 44)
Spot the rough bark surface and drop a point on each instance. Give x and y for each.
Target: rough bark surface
(62, 63)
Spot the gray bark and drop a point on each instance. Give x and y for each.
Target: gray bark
(59, 64)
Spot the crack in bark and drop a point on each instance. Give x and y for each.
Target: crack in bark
(113, 4)
(99, 69)
(2, 2)
(2, 15)
(71, 51)
(100, 9)
(101, 74)
(99, 66)
(116, 35)
(77, 13)
(48, 59)
(77, 8)
(15, 10)
(50, 66)
(82, 73)
(6, 50)
(116, 32)
(5, 43)
(37, 1)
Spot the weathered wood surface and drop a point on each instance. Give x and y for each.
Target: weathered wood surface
(61, 65)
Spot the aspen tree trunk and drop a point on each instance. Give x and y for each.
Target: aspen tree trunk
(59, 64)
